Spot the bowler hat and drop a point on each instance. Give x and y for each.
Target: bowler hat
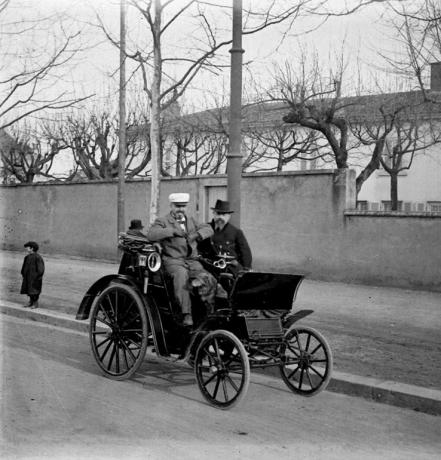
(135, 224)
(222, 207)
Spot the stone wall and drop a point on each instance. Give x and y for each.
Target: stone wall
(295, 222)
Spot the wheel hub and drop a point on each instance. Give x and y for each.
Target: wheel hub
(116, 332)
(305, 360)
(218, 368)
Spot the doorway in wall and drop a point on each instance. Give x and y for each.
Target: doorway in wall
(212, 194)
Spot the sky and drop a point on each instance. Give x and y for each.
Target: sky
(94, 71)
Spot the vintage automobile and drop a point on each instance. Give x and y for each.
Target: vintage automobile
(254, 326)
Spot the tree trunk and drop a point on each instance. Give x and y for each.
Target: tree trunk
(178, 160)
(279, 160)
(155, 135)
(394, 191)
(372, 166)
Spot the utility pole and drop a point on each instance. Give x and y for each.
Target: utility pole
(234, 155)
(122, 119)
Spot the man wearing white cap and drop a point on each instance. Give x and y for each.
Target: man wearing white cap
(179, 235)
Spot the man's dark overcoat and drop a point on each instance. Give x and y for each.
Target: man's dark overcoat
(230, 240)
(32, 272)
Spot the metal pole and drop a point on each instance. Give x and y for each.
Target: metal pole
(234, 156)
(122, 119)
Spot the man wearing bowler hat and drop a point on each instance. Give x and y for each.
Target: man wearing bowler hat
(135, 228)
(227, 239)
(127, 263)
(179, 235)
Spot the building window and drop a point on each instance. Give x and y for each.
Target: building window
(362, 205)
(434, 206)
(387, 205)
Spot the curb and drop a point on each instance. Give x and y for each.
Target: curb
(383, 391)
(420, 399)
(44, 316)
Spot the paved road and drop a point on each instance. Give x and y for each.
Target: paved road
(56, 405)
(384, 333)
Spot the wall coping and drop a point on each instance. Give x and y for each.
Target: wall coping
(313, 172)
(306, 172)
(417, 214)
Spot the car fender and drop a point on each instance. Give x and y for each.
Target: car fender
(292, 318)
(97, 287)
(209, 325)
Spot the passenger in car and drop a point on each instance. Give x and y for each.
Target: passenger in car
(127, 263)
(135, 228)
(227, 239)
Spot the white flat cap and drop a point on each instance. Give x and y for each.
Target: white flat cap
(179, 198)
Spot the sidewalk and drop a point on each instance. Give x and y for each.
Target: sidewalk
(386, 342)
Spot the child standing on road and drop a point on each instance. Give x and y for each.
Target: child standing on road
(32, 272)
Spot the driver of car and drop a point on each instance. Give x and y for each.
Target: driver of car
(179, 233)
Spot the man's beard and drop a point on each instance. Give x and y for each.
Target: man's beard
(180, 215)
(219, 222)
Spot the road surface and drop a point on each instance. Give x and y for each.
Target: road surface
(55, 404)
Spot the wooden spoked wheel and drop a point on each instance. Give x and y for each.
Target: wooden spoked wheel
(222, 369)
(307, 361)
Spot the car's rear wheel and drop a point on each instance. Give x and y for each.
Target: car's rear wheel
(307, 360)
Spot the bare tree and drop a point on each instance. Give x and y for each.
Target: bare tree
(34, 54)
(198, 143)
(395, 127)
(160, 18)
(92, 141)
(417, 26)
(413, 131)
(26, 156)
(369, 120)
(316, 103)
(191, 158)
(273, 149)
(167, 71)
(407, 140)
(373, 135)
